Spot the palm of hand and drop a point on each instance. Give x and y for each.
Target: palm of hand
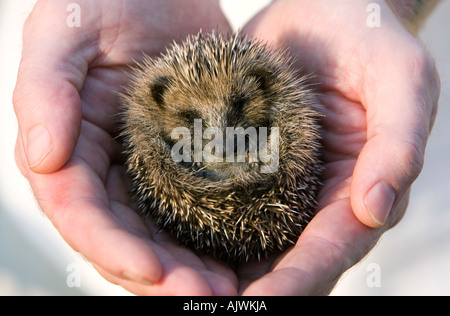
(334, 240)
(351, 63)
(90, 204)
(98, 157)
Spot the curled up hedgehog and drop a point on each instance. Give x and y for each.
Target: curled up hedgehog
(223, 146)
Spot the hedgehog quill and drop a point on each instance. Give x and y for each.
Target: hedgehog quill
(222, 140)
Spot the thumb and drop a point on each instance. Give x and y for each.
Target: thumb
(400, 114)
(48, 112)
(46, 97)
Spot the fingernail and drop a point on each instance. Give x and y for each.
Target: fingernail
(135, 278)
(379, 202)
(39, 145)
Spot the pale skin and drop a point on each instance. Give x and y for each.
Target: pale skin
(378, 86)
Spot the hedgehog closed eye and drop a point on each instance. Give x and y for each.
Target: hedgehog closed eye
(247, 169)
(158, 87)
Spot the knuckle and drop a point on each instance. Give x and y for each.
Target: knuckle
(421, 58)
(426, 82)
(22, 92)
(410, 158)
(424, 70)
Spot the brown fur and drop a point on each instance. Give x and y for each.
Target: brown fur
(231, 210)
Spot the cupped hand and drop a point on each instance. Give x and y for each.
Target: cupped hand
(379, 89)
(67, 109)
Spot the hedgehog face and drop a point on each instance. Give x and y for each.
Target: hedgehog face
(217, 121)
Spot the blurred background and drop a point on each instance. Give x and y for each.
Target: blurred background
(411, 259)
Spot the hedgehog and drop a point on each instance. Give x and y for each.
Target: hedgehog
(222, 139)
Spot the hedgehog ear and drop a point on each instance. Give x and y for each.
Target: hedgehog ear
(158, 88)
(263, 77)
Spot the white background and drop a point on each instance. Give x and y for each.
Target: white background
(413, 258)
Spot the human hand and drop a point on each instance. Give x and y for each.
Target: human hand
(379, 89)
(66, 105)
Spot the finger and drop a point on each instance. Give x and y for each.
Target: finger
(179, 277)
(46, 97)
(202, 275)
(177, 280)
(81, 213)
(400, 109)
(332, 242)
(250, 271)
(221, 278)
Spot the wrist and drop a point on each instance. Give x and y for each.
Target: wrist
(413, 13)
